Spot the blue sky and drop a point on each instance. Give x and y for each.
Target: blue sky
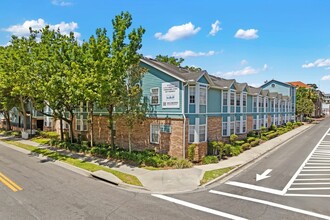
(250, 41)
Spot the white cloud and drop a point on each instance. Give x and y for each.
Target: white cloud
(189, 53)
(326, 77)
(318, 63)
(178, 32)
(61, 3)
(244, 62)
(247, 34)
(243, 72)
(266, 67)
(21, 30)
(215, 28)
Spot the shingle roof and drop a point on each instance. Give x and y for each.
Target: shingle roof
(221, 82)
(299, 84)
(181, 73)
(264, 92)
(253, 90)
(240, 86)
(273, 95)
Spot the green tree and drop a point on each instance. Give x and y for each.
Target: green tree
(132, 108)
(304, 102)
(171, 60)
(123, 55)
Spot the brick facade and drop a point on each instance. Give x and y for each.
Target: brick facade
(249, 123)
(214, 128)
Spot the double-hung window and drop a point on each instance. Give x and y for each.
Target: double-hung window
(81, 122)
(225, 98)
(192, 95)
(202, 133)
(238, 100)
(191, 133)
(244, 126)
(224, 129)
(154, 133)
(232, 127)
(237, 127)
(244, 101)
(154, 94)
(232, 98)
(254, 101)
(202, 96)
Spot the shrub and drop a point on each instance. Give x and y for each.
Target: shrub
(182, 163)
(272, 135)
(264, 138)
(191, 152)
(227, 149)
(49, 134)
(235, 150)
(273, 127)
(254, 143)
(252, 134)
(239, 142)
(250, 139)
(233, 138)
(263, 129)
(209, 159)
(246, 146)
(217, 147)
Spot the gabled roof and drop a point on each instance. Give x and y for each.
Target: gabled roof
(273, 95)
(299, 84)
(240, 86)
(264, 92)
(179, 73)
(275, 81)
(253, 90)
(221, 82)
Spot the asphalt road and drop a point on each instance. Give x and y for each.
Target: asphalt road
(43, 190)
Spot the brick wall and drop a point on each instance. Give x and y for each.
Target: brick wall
(214, 128)
(249, 122)
(200, 151)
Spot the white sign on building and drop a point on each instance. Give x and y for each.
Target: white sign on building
(170, 95)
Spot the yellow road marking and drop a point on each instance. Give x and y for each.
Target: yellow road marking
(10, 184)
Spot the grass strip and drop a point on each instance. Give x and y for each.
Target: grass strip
(126, 178)
(41, 140)
(212, 174)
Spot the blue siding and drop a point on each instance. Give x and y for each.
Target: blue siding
(203, 80)
(249, 103)
(154, 79)
(214, 100)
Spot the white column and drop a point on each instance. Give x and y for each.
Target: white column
(196, 130)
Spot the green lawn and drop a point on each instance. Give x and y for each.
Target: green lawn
(212, 174)
(126, 178)
(41, 140)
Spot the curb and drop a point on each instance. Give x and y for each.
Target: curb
(253, 160)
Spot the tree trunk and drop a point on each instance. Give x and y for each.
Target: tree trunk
(110, 110)
(91, 124)
(71, 127)
(23, 112)
(129, 140)
(61, 129)
(7, 118)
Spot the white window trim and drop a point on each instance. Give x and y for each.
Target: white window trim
(189, 129)
(151, 95)
(157, 142)
(203, 88)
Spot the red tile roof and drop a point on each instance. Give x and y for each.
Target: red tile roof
(299, 84)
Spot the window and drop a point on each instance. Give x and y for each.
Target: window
(225, 98)
(232, 98)
(244, 126)
(238, 100)
(244, 99)
(154, 94)
(224, 129)
(202, 134)
(232, 127)
(191, 133)
(254, 101)
(237, 127)
(192, 95)
(81, 122)
(254, 124)
(261, 102)
(202, 96)
(154, 133)
(273, 85)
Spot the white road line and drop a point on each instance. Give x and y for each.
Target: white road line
(254, 187)
(319, 160)
(318, 163)
(310, 188)
(318, 179)
(303, 164)
(277, 205)
(198, 207)
(314, 174)
(325, 167)
(318, 183)
(314, 170)
(308, 195)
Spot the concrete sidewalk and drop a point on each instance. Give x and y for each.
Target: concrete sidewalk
(184, 180)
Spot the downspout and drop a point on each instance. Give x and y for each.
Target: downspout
(184, 122)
